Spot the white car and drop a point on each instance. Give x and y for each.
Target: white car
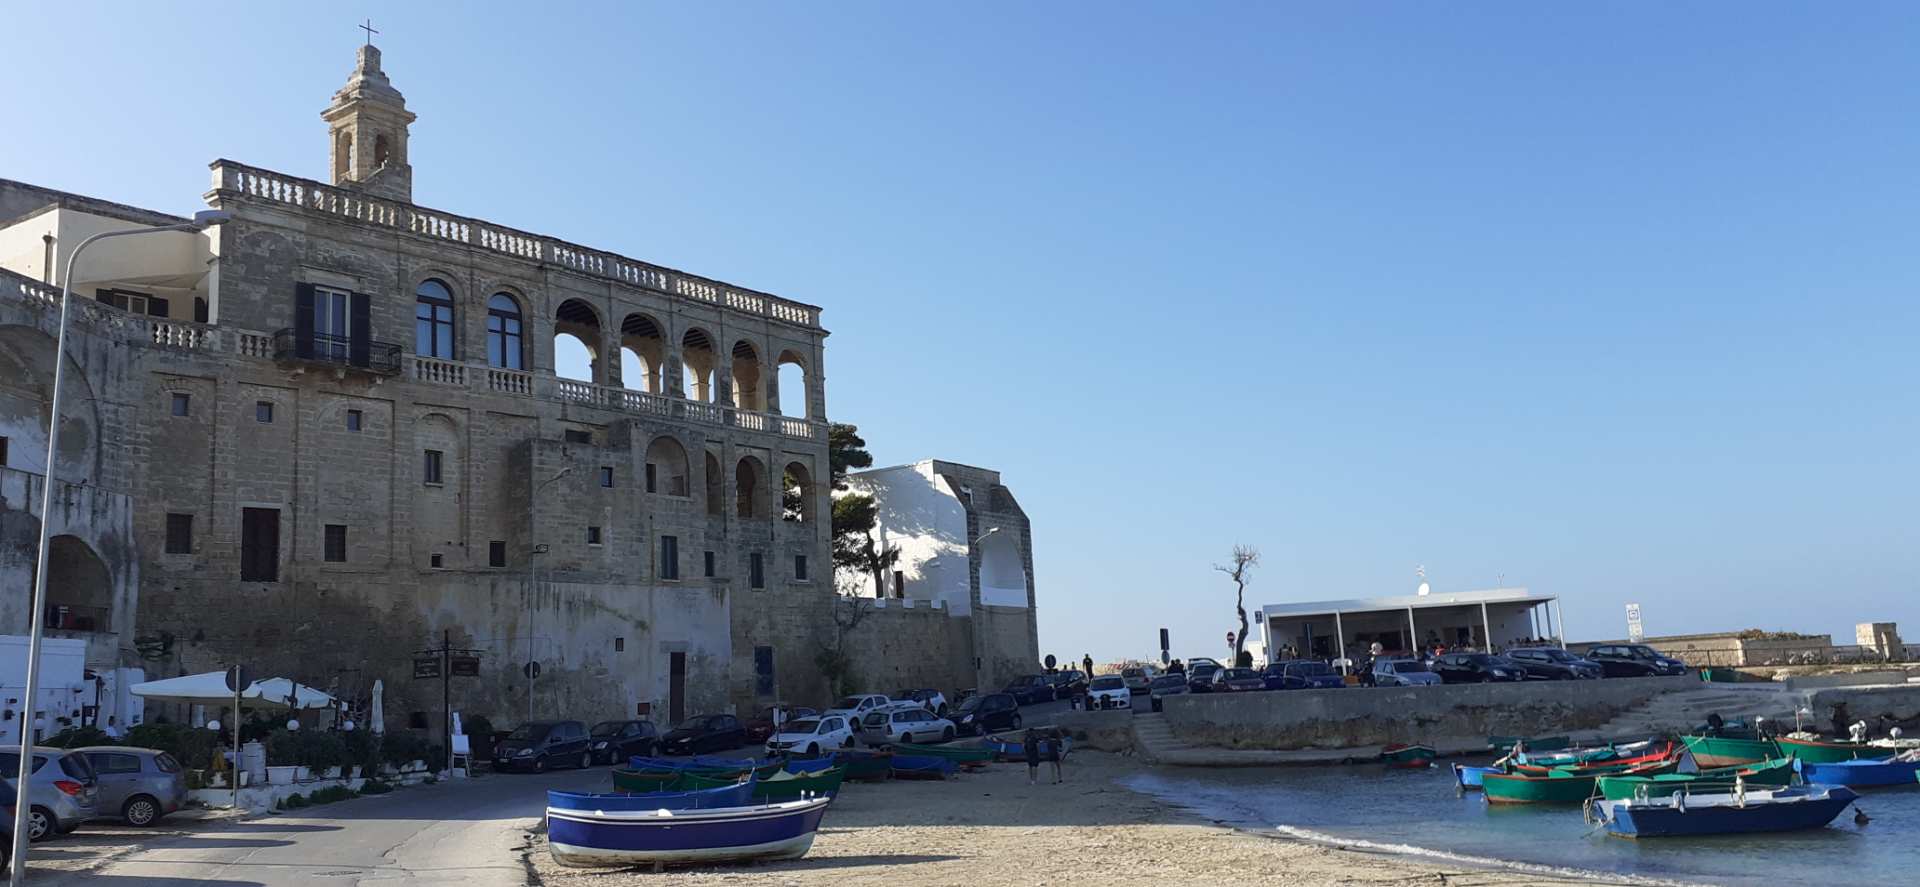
(853, 708)
(1109, 691)
(810, 737)
(1139, 678)
(905, 724)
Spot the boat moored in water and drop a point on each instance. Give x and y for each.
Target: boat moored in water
(1775, 773)
(1863, 772)
(1730, 813)
(1401, 756)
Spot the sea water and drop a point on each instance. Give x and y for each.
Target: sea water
(1420, 812)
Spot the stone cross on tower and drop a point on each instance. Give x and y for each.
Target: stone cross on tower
(367, 130)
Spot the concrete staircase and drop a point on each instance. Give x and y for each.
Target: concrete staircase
(1154, 740)
(1684, 709)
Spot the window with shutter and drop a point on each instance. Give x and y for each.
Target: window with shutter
(260, 545)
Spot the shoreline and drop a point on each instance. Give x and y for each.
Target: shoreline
(990, 827)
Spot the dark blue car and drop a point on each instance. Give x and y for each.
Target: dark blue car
(1301, 674)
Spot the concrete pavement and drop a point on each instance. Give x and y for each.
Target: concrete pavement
(464, 832)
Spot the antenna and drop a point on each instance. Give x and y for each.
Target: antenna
(1421, 571)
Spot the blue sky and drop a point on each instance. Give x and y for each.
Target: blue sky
(1617, 303)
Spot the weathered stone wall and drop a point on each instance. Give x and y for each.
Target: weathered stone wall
(897, 648)
(1357, 716)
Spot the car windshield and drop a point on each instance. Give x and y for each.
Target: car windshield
(1310, 668)
(807, 726)
(1131, 672)
(697, 722)
(608, 728)
(529, 732)
(1406, 666)
(970, 703)
(1168, 681)
(1237, 673)
(1108, 683)
(1204, 669)
(1642, 653)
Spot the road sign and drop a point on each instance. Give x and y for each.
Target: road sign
(464, 666)
(531, 670)
(1635, 632)
(1050, 661)
(239, 677)
(426, 666)
(1229, 638)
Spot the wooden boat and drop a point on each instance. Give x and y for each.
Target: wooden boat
(957, 753)
(1012, 746)
(1407, 757)
(865, 764)
(1738, 812)
(1861, 772)
(1469, 778)
(1768, 774)
(692, 781)
(1613, 765)
(625, 780)
(922, 767)
(808, 765)
(1537, 743)
(736, 795)
(787, 786)
(1814, 750)
(669, 837)
(1714, 752)
(1554, 786)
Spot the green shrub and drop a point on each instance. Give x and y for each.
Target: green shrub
(193, 748)
(293, 802)
(331, 794)
(314, 749)
(375, 787)
(401, 749)
(431, 779)
(362, 749)
(77, 737)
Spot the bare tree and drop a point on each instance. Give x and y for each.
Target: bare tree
(849, 610)
(1245, 558)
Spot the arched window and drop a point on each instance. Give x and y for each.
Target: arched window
(642, 355)
(794, 399)
(380, 151)
(697, 363)
(504, 349)
(576, 342)
(666, 467)
(746, 488)
(433, 320)
(796, 493)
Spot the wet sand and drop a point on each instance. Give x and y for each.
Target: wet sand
(991, 828)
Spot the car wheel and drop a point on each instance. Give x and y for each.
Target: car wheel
(540, 764)
(1016, 722)
(585, 761)
(141, 810)
(813, 749)
(40, 824)
(946, 735)
(906, 737)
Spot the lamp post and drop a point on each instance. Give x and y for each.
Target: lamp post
(35, 617)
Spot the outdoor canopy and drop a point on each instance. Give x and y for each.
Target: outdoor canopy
(210, 688)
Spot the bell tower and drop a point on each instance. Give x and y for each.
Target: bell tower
(367, 132)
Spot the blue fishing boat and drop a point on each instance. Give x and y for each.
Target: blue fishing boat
(809, 765)
(1732, 813)
(1469, 777)
(922, 767)
(670, 837)
(1861, 772)
(736, 795)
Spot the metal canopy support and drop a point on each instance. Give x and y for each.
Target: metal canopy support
(1413, 634)
(1486, 626)
(1339, 642)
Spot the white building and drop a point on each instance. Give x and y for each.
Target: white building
(1404, 624)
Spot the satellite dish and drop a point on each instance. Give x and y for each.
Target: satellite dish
(1424, 589)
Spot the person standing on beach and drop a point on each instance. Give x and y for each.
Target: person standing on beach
(1031, 745)
(1057, 752)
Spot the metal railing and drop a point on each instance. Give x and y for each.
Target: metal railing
(382, 357)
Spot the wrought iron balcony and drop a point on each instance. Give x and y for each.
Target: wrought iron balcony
(382, 358)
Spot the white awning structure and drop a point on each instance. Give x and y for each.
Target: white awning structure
(1339, 629)
(210, 688)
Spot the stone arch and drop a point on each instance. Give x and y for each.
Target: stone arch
(1003, 574)
(749, 499)
(748, 393)
(697, 361)
(643, 354)
(506, 331)
(716, 486)
(796, 493)
(79, 587)
(342, 153)
(382, 150)
(576, 341)
(667, 467)
(795, 385)
(26, 398)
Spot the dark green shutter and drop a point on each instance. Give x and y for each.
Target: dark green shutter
(303, 321)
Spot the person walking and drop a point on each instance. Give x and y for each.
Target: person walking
(1030, 744)
(1057, 752)
(1086, 659)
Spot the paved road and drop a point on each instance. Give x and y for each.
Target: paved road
(464, 833)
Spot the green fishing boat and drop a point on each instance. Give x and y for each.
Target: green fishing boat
(1533, 744)
(1715, 752)
(1766, 774)
(1556, 787)
(689, 782)
(866, 765)
(963, 754)
(626, 780)
(1822, 751)
(784, 786)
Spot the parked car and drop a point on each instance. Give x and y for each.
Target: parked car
(1164, 686)
(62, 796)
(1237, 680)
(1474, 668)
(1139, 678)
(1031, 689)
(6, 830)
(934, 700)
(888, 726)
(1553, 664)
(1634, 661)
(1403, 673)
(704, 733)
(1109, 691)
(1200, 675)
(1068, 684)
(542, 745)
(1301, 674)
(985, 714)
(811, 736)
(616, 741)
(139, 785)
(760, 729)
(854, 707)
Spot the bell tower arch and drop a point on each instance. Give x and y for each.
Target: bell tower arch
(367, 132)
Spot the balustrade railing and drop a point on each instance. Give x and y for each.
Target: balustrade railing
(510, 381)
(437, 372)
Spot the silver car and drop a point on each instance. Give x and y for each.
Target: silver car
(1403, 673)
(63, 790)
(139, 785)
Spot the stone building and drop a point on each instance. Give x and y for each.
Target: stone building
(329, 432)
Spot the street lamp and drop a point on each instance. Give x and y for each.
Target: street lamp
(201, 221)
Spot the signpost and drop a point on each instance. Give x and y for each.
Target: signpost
(1164, 646)
(446, 663)
(239, 678)
(1635, 633)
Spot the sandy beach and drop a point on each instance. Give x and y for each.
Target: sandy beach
(990, 828)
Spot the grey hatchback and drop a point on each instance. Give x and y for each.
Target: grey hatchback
(139, 785)
(61, 794)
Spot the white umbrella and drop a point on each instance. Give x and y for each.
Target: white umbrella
(379, 713)
(211, 688)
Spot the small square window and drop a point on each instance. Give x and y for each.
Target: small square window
(496, 554)
(430, 470)
(353, 420)
(179, 534)
(593, 535)
(336, 549)
(435, 561)
(709, 564)
(575, 435)
(619, 645)
(606, 476)
(263, 411)
(182, 404)
(756, 571)
(800, 567)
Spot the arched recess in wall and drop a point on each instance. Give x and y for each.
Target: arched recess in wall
(796, 493)
(79, 587)
(26, 395)
(716, 484)
(795, 386)
(748, 393)
(643, 354)
(576, 341)
(1003, 575)
(749, 498)
(438, 482)
(697, 362)
(666, 467)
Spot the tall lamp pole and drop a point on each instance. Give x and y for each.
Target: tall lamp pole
(35, 616)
